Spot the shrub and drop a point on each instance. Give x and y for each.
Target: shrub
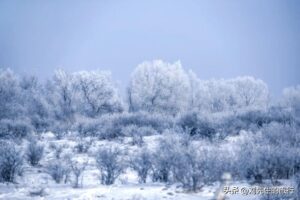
(60, 128)
(136, 134)
(198, 164)
(83, 145)
(163, 157)
(59, 171)
(11, 162)
(158, 122)
(192, 163)
(77, 169)
(141, 163)
(131, 130)
(260, 159)
(14, 128)
(188, 168)
(34, 152)
(88, 127)
(110, 126)
(197, 126)
(254, 120)
(281, 134)
(270, 153)
(58, 149)
(110, 164)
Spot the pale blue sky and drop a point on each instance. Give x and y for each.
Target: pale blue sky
(216, 39)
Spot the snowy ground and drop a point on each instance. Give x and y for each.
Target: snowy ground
(124, 192)
(35, 179)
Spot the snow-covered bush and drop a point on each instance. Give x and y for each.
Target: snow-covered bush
(197, 125)
(280, 115)
(11, 161)
(58, 170)
(102, 127)
(251, 159)
(272, 153)
(110, 164)
(277, 134)
(57, 148)
(89, 127)
(142, 163)
(83, 145)
(197, 164)
(61, 128)
(251, 120)
(163, 157)
(34, 152)
(256, 118)
(77, 169)
(110, 126)
(284, 142)
(136, 133)
(148, 124)
(137, 140)
(14, 128)
(191, 163)
(188, 167)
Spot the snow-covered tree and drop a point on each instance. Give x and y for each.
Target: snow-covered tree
(225, 95)
(34, 100)
(199, 94)
(10, 102)
(13, 119)
(250, 93)
(61, 95)
(221, 95)
(96, 93)
(158, 86)
(291, 99)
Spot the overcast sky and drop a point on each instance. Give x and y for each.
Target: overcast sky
(216, 39)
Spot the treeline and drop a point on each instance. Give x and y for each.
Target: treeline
(160, 96)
